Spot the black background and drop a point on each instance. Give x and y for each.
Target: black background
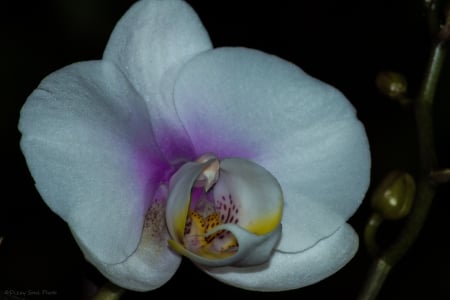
(344, 43)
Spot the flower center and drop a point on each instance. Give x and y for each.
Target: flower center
(225, 212)
(206, 214)
(198, 240)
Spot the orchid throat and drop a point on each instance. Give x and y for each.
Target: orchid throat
(224, 212)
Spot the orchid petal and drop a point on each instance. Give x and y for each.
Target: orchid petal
(151, 265)
(287, 271)
(303, 131)
(88, 143)
(149, 43)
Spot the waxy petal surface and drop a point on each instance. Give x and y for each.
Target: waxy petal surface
(286, 271)
(152, 264)
(89, 146)
(149, 44)
(303, 131)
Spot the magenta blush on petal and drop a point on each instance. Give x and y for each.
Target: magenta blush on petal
(156, 160)
(218, 140)
(151, 170)
(174, 144)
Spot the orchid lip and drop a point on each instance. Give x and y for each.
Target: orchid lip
(218, 210)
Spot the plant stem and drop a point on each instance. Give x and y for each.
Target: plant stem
(370, 232)
(426, 188)
(378, 272)
(423, 109)
(109, 292)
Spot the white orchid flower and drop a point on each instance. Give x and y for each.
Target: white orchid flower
(166, 147)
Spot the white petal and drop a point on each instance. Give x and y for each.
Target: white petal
(260, 107)
(286, 271)
(88, 144)
(149, 44)
(153, 263)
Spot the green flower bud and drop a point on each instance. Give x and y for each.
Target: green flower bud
(391, 84)
(393, 198)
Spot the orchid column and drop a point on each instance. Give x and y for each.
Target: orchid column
(168, 147)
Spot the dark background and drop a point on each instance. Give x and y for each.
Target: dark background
(344, 43)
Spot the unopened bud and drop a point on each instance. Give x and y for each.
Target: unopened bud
(393, 198)
(391, 84)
